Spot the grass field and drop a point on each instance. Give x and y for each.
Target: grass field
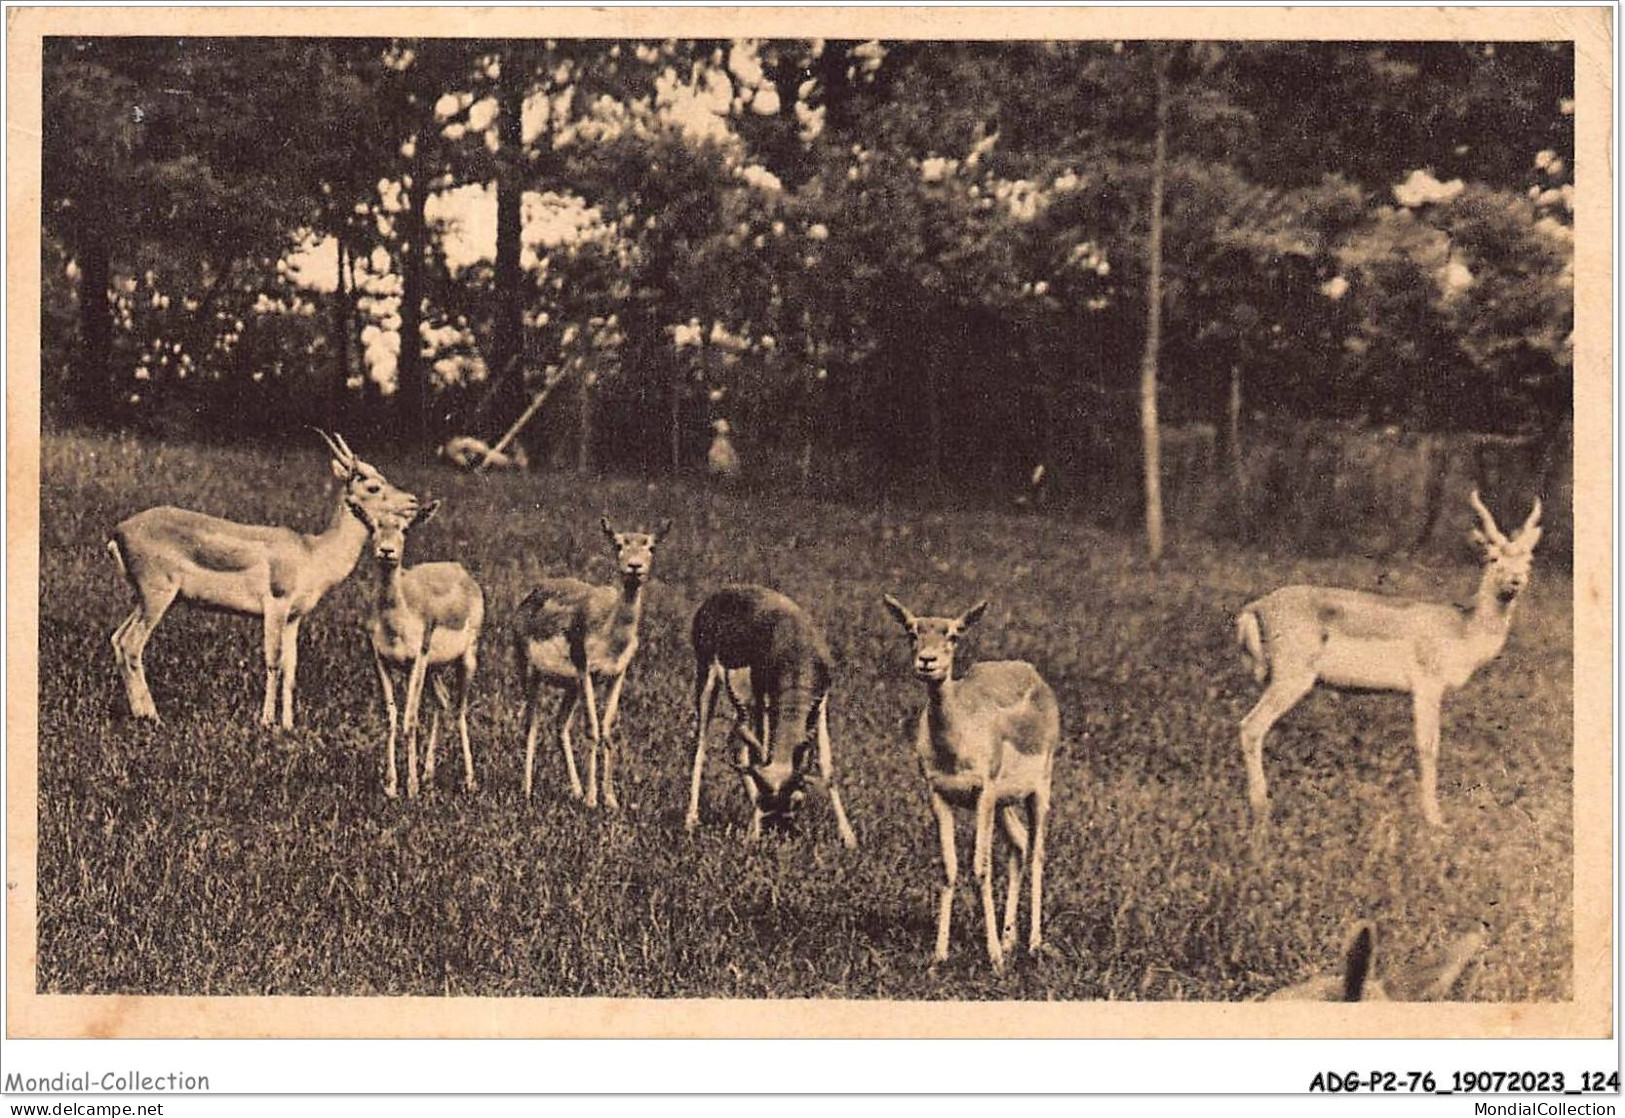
(209, 856)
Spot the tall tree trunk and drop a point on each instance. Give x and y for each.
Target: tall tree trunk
(676, 432)
(507, 340)
(1237, 456)
(584, 424)
(342, 311)
(933, 416)
(95, 385)
(412, 392)
(1150, 435)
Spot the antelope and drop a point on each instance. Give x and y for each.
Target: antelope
(721, 459)
(273, 573)
(986, 742)
(1299, 636)
(467, 452)
(1359, 981)
(571, 634)
(425, 618)
(765, 651)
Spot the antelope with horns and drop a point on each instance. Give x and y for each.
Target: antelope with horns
(986, 742)
(572, 634)
(1359, 981)
(1299, 636)
(425, 619)
(272, 573)
(765, 651)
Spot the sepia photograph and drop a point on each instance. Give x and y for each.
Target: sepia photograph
(866, 524)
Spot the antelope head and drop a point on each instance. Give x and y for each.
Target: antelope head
(634, 551)
(780, 769)
(364, 484)
(389, 526)
(1506, 561)
(934, 638)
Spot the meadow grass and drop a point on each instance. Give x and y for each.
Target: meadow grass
(208, 856)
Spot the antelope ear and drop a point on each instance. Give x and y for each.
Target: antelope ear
(662, 531)
(426, 512)
(1362, 949)
(603, 522)
(1478, 537)
(971, 616)
(1529, 537)
(900, 611)
(340, 470)
(1534, 518)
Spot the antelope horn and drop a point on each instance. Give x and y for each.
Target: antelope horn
(1490, 529)
(350, 454)
(343, 455)
(757, 749)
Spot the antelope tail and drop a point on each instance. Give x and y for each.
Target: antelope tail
(117, 553)
(1252, 644)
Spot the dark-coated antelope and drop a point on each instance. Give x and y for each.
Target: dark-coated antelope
(765, 651)
(1360, 981)
(1303, 635)
(986, 742)
(425, 619)
(276, 574)
(571, 635)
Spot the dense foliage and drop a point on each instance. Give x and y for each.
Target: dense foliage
(888, 259)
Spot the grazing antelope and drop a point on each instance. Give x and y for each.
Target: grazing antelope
(425, 619)
(273, 573)
(1299, 636)
(765, 651)
(987, 742)
(570, 634)
(1359, 981)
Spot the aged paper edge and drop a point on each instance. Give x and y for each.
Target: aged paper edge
(1588, 1015)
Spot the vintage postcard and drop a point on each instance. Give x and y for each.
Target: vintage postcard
(874, 522)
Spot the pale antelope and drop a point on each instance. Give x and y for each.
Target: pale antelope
(765, 651)
(721, 459)
(1303, 635)
(1360, 981)
(467, 452)
(986, 742)
(424, 619)
(572, 634)
(273, 573)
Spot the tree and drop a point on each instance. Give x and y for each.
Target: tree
(1149, 430)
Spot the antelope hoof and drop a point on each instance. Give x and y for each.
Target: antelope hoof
(391, 791)
(471, 785)
(690, 823)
